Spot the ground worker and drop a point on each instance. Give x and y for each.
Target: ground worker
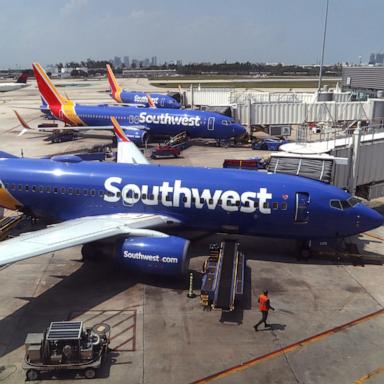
(264, 307)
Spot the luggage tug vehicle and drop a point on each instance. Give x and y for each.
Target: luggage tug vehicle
(66, 345)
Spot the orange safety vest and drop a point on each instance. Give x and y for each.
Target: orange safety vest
(263, 303)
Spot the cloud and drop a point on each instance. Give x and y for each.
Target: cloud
(73, 6)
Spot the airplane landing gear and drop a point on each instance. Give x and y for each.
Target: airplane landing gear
(303, 249)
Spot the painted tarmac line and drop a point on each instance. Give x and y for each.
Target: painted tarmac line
(289, 348)
(369, 375)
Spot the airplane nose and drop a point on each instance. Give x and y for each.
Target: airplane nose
(370, 219)
(239, 130)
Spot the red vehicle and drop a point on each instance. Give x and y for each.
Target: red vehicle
(165, 151)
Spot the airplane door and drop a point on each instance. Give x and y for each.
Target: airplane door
(211, 124)
(302, 207)
(162, 101)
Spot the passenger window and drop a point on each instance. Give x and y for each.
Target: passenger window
(62, 190)
(93, 192)
(77, 191)
(70, 191)
(210, 201)
(26, 188)
(55, 189)
(13, 187)
(256, 204)
(33, 188)
(48, 189)
(20, 187)
(85, 192)
(41, 189)
(246, 204)
(266, 205)
(275, 205)
(101, 193)
(201, 201)
(220, 202)
(237, 203)
(284, 206)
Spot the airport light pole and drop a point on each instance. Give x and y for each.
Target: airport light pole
(323, 48)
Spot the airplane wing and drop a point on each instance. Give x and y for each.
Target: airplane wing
(80, 231)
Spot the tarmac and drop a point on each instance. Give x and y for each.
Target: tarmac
(327, 328)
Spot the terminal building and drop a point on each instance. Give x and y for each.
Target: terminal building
(363, 81)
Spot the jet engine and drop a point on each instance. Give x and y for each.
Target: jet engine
(161, 255)
(136, 135)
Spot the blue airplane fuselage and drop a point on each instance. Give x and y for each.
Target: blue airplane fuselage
(160, 100)
(162, 121)
(245, 202)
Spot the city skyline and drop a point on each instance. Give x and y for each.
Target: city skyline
(255, 31)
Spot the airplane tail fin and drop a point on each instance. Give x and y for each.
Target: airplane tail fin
(115, 88)
(151, 102)
(127, 152)
(23, 123)
(22, 78)
(47, 90)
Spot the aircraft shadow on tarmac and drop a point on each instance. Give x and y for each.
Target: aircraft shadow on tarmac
(89, 286)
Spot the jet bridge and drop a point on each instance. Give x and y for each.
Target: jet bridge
(223, 280)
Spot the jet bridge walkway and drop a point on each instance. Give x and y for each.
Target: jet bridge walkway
(223, 281)
(7, 224)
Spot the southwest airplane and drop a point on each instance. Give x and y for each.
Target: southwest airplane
(140, 98)
(21, 82)
(137, 123)
(127, 209)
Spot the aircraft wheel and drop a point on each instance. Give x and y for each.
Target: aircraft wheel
(90, 373)
(32, 375)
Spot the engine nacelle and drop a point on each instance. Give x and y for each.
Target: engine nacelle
(138, 136)
(154, 255)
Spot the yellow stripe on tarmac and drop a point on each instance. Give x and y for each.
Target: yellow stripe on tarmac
(288, 348)
(369, 375)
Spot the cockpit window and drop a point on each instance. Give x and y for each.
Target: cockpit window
(345, 204)
(336, 204)
(353, 201)
(225, 122)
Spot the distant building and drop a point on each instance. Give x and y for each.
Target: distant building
(363, 80)
(179, 63)
(376, 59)
(117, 62)
(154, 61)
(135, 63)
(146, 63)
(126, 61)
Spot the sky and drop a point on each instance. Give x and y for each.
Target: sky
(287, 31)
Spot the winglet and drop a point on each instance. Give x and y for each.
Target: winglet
(127, 152)
(23, 123)
(150, 101)
(118, 131)
(115, 88)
